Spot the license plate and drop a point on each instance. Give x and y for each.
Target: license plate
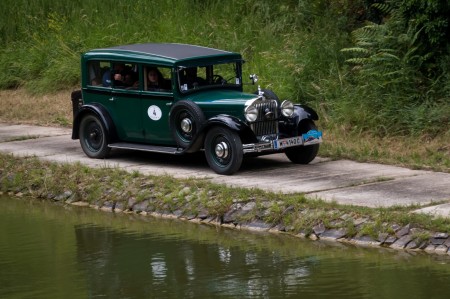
(287, 142)
(312, 137)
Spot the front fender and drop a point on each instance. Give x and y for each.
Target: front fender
(231, 122)
(304, 112)
(99, 111)
(228, 121)
(289, 126)
(234, 124)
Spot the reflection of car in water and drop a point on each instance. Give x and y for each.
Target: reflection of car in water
(197, 104)
(124, 264)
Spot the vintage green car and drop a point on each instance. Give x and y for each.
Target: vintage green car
(178, 99)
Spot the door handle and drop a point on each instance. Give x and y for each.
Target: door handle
(112, 99)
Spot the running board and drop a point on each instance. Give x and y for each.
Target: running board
(147, 148)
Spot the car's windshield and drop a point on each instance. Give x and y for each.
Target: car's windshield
(209, 76)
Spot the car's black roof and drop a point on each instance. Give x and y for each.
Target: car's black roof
(169, 50)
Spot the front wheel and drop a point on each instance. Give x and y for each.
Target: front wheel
(303, 154)
(93, 137)
(223, 150)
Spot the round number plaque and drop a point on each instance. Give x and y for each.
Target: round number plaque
(154, 112)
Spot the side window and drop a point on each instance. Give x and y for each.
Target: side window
(157, 78)
(124, 75)
(99, 73)
(193, 77)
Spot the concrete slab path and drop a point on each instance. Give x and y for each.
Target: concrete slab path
(343, 181)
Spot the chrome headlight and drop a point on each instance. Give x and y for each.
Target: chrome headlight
(287, 108)
(251, 113)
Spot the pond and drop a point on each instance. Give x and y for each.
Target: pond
(55, 251)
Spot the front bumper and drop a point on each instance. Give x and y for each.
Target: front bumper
(309, 138)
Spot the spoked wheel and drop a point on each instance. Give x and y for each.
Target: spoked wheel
(303, 154)
(223, 150)
(93, 137)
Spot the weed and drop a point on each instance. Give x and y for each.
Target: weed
(20, 138)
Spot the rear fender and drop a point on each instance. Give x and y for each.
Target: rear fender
(99, 111)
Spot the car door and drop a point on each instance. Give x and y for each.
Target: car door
(156, 101)
(125, 104)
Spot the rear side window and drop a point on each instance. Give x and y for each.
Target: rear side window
(113, 74)
(123, 75)
(99, 73)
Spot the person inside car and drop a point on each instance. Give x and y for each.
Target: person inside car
(121, 76)
(155, 80)
(189, 79)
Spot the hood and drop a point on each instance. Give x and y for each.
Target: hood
(216, 102)
(222, 97)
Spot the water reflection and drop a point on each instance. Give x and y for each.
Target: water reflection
(55, 252)
(117, 262)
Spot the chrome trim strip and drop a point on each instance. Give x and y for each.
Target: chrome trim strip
(257, 147)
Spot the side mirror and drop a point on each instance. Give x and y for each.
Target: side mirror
(254, 78)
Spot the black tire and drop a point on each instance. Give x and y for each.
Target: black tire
(93, 137)
(223, 150)
(303, 154)
(189, 112)
(269, 94)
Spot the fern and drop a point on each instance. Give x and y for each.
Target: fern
(356, 50)
(386, 50)
(384, 8)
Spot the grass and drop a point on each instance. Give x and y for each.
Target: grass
(294, 47)
(420, 152)
(19, 138)
(164, 194)
(20, 107)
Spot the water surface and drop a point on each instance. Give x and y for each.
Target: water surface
(50, 251)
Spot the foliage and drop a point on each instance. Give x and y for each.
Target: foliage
(400, 70)
(397, 84)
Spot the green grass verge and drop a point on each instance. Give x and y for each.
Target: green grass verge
(191, 198)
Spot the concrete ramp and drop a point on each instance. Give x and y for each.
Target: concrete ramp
(343, 181)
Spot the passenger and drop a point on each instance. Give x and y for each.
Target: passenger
(155, 80)
(121, 75)
(106, 78)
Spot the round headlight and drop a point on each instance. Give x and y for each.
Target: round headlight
(287, 108)
(251, 113)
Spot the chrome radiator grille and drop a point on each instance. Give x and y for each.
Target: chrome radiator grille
(266, 124)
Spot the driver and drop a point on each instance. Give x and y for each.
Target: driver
(189, 77)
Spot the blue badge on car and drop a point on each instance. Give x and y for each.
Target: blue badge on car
(311, 137)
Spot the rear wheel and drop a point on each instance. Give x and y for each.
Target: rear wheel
(303, 154)
(223, 150)
(93, 137)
